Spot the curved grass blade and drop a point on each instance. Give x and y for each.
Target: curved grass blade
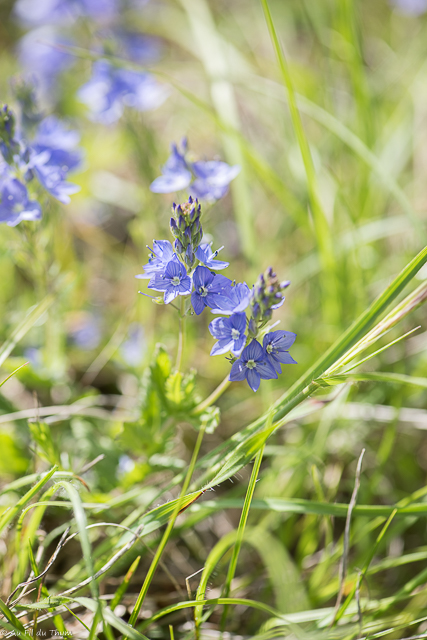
(8, 515)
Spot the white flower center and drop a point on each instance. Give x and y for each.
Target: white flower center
(235, 334)
(203, 291)
(269, 348)
(251, 364)
(176, 280)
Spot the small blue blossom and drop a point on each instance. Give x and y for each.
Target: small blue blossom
(175, 174)
(15, 204)
(230, 333)
(111, 89)
(206, 256)
(234, 299)
(174, 281)
(136, 46)
(161, 254)
(208, 288)
(252, 366)
(53, 179)
(276, 345)
(212, 179)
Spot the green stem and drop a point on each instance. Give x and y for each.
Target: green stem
(216, 393)
(240, 533)
(148, 578)
(181, 337)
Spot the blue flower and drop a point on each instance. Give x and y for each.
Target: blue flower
(40, 54)
(39, 12)
(175, 174)
(234, 299)
(252, 366)
(136, 46)
(53, 179)
(174, 281)
(206, 256)
(111, 89)
(276, 345)
(208, 288)
(161, 254)
(15, 204)
(230, 333)
(212, 179)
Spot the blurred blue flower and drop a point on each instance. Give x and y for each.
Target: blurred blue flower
(40, 54)
(230, 333)
(132, 349)
(206, 256)
(276, 345)
(53, 179)
(161, 254)
(234, 299)
(136, 46)
(252, 366)
(212, 179)
(208, 288)
(15, 204)
(40, 12)
(411, 7)
(86, 333)
(175, 174)
(111, 89)
(174, 281)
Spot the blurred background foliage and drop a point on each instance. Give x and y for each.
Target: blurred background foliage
(95, 376)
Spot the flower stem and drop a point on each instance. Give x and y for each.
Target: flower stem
(216, 393)
(181, 337)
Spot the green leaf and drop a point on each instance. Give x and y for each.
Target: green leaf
(14, 624)
(210, 419)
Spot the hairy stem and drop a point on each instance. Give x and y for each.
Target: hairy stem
(216, 393)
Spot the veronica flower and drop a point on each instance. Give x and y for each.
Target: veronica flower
(208, 288)
(234, 299)
(174, 281)
(161, 254)
(230, 333)
(276, 345)
(15, 204)
(212, 179)
(252, 366)
(206, 256)
(175, 174)
(111, 89)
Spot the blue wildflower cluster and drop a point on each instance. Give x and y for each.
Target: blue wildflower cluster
(44, 53)
(189, 268)
(206, 180)
(40, 150)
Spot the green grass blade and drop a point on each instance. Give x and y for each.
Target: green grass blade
(157, 557)
(13, 624)
(241, 531)
(112, 619)
(8, 515)
(22, 329)
(211, 52)
(323, 233)
(81, 521)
